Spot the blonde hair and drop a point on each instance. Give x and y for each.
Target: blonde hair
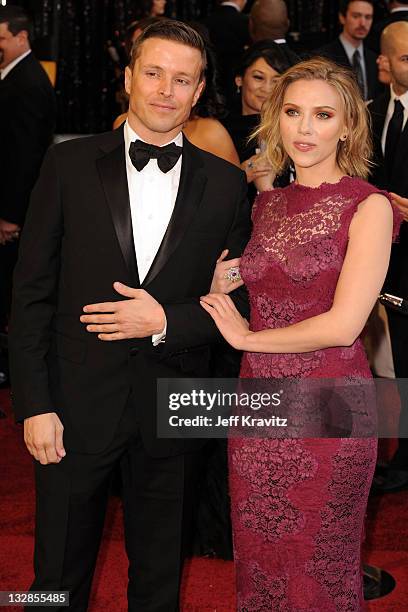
(354, 153)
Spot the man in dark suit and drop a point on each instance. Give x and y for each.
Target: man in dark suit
(27, 119)
(228, 28)
(389, 114)
(87, 350)
(398, 12)
(349, 49)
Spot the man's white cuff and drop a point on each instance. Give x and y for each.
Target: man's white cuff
(158, 338)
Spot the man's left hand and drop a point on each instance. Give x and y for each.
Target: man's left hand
(138, 317)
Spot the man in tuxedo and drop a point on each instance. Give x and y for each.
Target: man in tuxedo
(27, 119)
(228, 28)
(389, 114)
(398, 12)
(121, 240)
(349, 49)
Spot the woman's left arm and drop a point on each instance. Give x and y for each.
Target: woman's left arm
(361, 278)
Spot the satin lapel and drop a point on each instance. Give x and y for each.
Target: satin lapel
(112, 172)
(379, 111)
(190, 192)
(399, 180)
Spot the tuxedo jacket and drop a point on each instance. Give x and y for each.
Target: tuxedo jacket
(229, 30)
(27, 122)
(77, 241)
(397, 181)
(335, 51)
(229, 33)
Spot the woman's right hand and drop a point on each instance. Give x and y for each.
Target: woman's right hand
(220, 283)
(256, 168)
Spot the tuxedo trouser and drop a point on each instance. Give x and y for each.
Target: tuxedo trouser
(398, 324)
(71, 500)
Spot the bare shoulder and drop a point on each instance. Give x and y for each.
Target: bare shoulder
(210, 135)
(375, 204)
(205, 128)
(374, 212)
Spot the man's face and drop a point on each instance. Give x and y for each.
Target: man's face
(398, 63)
(11, 46)
(357, 21)
(163, 87)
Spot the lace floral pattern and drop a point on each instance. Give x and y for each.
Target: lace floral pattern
(268, 593)
(342, 523)
(291, 266)
(298, 505)
(272, 467)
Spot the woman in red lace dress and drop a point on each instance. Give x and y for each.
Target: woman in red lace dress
(313, 267)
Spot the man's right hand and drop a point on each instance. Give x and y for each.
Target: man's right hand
(43, 437)
(401, 203)
(8, 231)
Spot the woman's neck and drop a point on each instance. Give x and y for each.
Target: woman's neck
(316, 175)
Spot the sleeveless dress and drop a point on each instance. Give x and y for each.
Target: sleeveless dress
(298, 505)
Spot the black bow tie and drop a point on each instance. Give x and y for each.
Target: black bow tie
(141, 153)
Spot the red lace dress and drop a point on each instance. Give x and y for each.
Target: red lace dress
(298, 505)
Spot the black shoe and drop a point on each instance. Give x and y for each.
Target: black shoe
(376, 582)
(391, 481)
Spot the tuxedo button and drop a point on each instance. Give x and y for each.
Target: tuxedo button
(134, 351)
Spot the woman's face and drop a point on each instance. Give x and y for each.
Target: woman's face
(312, 123)
(256, 84)
(158, 8)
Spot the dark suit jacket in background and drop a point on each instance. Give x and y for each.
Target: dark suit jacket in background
(374, 37)
(77, 241)
(27, 120)
(229, 33)
(396, 182)
(335, 51)
(397, 277)
(27, 123)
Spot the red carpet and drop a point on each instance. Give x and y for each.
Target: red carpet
(209, 584)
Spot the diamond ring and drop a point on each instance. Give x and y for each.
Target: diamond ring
(233, 275)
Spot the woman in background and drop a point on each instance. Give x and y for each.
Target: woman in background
(314, 266)
(149, 8)
(261, 64)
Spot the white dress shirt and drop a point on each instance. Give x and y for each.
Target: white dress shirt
(152, 196)
(231, 4)
(390, 111)
(4, 72)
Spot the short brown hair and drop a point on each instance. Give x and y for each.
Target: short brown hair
(177, 31)
(16, 18)
(353, 154)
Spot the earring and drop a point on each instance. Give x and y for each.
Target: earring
(343, 138)
(238, 90)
